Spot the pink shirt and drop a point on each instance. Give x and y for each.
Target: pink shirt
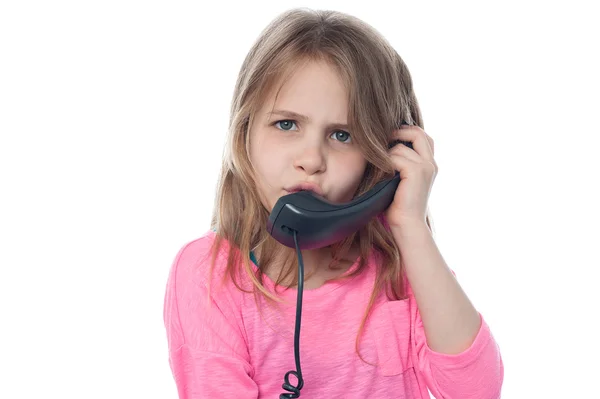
(225, 348)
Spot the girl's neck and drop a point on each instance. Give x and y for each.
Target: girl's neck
(316, 261)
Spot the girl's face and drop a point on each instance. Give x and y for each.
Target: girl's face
(304, 140)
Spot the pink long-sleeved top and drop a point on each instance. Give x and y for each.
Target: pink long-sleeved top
(228, 347)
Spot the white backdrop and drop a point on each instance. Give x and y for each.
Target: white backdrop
(112, 119)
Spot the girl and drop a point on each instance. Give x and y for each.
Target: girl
(318, 99)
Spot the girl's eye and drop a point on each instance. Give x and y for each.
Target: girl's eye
(285, 124)
(342, 136)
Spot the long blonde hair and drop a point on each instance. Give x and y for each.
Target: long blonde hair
(380, 97)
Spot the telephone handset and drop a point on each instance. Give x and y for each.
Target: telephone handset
(318, 222)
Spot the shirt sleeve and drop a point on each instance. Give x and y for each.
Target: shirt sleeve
(475, 373)
(207, 352)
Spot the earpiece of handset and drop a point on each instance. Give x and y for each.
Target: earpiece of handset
(406, 143)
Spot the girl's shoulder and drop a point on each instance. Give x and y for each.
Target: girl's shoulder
(193, 260)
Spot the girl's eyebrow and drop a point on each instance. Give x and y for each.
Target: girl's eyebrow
(304, 118)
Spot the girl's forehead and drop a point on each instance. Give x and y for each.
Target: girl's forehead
(293, 85)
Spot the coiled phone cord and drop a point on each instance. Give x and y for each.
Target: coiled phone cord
(295, 390)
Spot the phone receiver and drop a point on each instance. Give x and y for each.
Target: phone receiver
(319, 222)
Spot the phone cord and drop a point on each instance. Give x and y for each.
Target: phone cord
(295, 390)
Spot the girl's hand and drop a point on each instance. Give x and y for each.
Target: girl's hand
(417, 170)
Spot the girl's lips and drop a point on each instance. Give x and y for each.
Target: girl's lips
(305, 186)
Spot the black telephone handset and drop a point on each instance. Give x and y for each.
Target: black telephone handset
(319, 222)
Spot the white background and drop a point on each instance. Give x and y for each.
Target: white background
(112, 119)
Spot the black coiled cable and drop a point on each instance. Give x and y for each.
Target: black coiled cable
(295, 390)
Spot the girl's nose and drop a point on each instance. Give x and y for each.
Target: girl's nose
(310, 158)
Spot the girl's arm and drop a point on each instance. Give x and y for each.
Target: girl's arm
(454, 347)
(451, 322)
(207, 353)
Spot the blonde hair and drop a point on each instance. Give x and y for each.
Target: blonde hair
(380, 97)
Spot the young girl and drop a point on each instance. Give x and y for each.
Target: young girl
(318, 100)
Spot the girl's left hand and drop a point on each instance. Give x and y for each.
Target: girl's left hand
(417, 173)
